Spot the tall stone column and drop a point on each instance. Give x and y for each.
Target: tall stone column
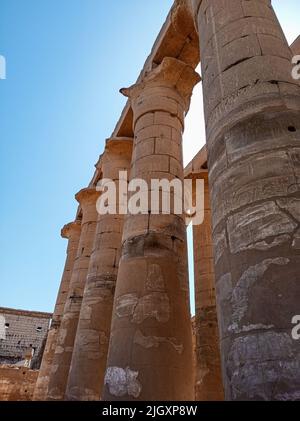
(93, 332)
(208, 362)
(295, 47)
(66, 336)
(252, 113)
(150, 352)
(72, 233)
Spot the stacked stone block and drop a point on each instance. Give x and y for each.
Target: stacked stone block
(252, 113)
(88, 364)
(150, 352)
(68, 327)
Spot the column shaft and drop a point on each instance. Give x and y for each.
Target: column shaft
(208, 362)
(65, 341)
(90, 350)
(150, 351)
(295, 47)
(72, 232)
(252, 112)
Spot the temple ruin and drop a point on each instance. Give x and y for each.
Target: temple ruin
(23, 336)
(121, 328)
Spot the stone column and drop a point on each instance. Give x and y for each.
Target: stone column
(150, 352)
(252, 113)
(295, 47)
(93, 332)
(208, 362)
(65, 341)
(72, 233)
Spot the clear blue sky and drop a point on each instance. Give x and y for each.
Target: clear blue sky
(66, 60)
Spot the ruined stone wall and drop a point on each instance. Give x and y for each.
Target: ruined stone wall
(17, 383)
(20, 330)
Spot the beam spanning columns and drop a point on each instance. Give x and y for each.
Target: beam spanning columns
(252, 112)
(209, 385)
(150, 352)
(90, 350)
(66, 336)
(72, 233)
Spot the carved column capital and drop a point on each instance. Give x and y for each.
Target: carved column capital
(87, 196)
(115, 158)
(171, 75)
(118, 144)
(115, 146)
(69, 229)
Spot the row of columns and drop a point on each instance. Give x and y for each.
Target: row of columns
(93, 332)
(72, 233)
(125, 332)
(126, 324)
(67, 332)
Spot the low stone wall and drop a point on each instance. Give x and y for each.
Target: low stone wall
(17, 383)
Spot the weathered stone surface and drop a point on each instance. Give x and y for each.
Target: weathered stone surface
(68, 327)
(272, 221)
(123, 382)
(208, 385)
(295, 47)
(17, 383)
(72, 233)
(88, 364)
(252, 111)
(150, 351)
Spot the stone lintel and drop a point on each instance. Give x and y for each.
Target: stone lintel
(177, 38)
(197, 165)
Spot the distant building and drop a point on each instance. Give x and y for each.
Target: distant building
(23, 336)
